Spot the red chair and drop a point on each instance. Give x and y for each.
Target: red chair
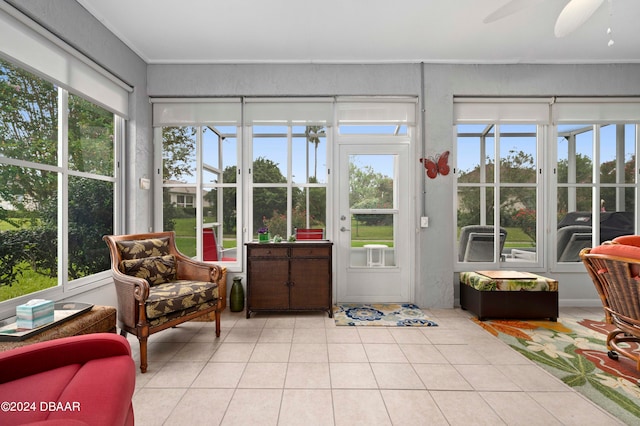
(309, 234)
(79, 380)
(210, 247)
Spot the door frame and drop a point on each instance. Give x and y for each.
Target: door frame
(377, 145)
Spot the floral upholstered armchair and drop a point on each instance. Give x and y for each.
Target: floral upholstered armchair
(158, 287)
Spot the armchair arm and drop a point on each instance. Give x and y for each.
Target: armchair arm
(45, 356)
(190, 269)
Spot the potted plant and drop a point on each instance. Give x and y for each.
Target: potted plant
(263, 235)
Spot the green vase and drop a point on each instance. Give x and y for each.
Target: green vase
(236, 298)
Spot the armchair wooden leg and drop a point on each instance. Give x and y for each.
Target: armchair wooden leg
(143, 354)
(217, 323)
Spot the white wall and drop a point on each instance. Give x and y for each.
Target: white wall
(437, 286)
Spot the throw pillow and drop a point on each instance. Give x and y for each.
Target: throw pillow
(155, 269)
(137, 249)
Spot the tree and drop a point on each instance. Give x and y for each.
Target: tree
(266, 201)
(28, 131)
(370, 190)
(178, 150)
(313, 134)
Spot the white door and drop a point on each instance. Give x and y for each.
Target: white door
(374, 237)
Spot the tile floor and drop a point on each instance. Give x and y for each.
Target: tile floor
(300, 369)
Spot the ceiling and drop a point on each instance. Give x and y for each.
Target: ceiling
(365, 31)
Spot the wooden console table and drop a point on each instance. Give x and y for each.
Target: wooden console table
(289, 277)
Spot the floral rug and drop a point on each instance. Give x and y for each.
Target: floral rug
(576, 352)
(381, 314)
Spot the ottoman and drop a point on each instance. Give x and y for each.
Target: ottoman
(509, 295)
(100, 319)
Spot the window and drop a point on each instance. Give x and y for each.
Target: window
(591, 196)
(199, 190)
(596, 185)
(497, 183)
(60, 184)
(289, 178)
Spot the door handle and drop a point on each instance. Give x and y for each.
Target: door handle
(343, 229)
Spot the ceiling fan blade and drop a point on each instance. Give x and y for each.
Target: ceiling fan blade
(514, 6)
(575, 14)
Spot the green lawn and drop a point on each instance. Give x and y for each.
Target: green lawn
(26, 283)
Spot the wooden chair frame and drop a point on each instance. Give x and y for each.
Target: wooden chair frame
(618, 284)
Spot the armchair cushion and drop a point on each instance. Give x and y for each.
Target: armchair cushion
(155, 269)
(137, 249)
(176, 296)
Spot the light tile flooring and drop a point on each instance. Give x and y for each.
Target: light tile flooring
(300, 369)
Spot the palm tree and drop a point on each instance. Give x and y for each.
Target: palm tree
(313, 134)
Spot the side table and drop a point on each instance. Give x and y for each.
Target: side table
(100, 319)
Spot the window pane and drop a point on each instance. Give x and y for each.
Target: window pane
(269, 160)
(309, 156)
(29, 225)
(269, 210)
(617, 154)
(90, 137)
(575, 224)
(310, 208)
(28, 116)
(90, 217)
(518, 154)
(179, 154)
(518, 216)
(374, 234)
(476, 156)
(371, 182)
(179, 215)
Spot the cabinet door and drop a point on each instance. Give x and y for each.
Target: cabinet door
(310, 283)
(268, 281)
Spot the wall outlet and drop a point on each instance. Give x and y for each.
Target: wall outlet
(145, 183)
(424, 222)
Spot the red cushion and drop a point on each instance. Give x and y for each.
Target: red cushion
(630, 240)
(619, 250)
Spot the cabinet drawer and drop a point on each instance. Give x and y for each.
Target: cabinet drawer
(311, 252)
(267, 252)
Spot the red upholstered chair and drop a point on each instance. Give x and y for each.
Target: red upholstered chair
(79, 380)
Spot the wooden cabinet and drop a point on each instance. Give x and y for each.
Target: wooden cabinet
(289, 277)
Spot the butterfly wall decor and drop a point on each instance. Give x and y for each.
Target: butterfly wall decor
(436, 166)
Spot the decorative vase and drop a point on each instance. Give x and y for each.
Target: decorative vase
(263, 238)
(236, 298)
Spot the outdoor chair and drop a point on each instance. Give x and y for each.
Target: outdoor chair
(615, 270)
(572, 239)
(476, 243)
(158, 287)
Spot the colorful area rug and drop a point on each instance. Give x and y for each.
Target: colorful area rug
(381, 314)
(576, 352)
